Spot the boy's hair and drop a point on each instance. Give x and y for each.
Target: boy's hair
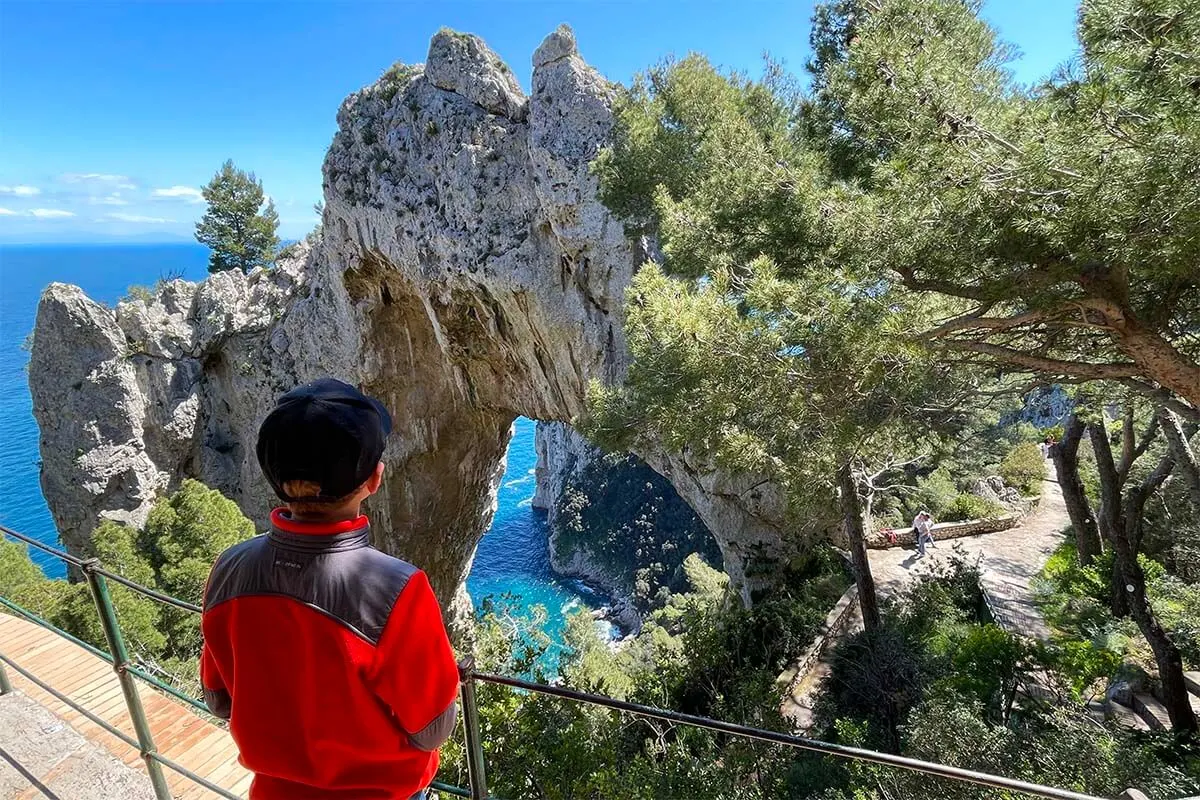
(301, 491)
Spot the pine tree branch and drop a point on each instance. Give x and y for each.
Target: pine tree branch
(1044, 365)
(1162, 398)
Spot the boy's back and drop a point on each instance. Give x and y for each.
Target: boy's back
(330, 660)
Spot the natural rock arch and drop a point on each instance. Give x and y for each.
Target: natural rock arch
(467, 274)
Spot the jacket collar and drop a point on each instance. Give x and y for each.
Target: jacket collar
(281, 520)
(318, 537)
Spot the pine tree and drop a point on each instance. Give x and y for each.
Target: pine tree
(236, 227)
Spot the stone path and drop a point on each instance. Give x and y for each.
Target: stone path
(1009, 561)
(44, 758)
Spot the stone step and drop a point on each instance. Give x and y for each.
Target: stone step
(1126, 717)
(1151, 709)
(1192, 679)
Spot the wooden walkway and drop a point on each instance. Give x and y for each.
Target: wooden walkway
(179, 734)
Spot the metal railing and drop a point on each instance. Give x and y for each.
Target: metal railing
(97, 577)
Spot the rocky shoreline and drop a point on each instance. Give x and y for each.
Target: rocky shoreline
(621, 611)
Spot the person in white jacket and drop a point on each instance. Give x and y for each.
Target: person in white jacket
(923, 527)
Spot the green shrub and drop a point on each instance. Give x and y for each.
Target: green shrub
(144, 294)
(875, 677)
(935, 493)
(1024, 467)
(968, 506)
(988, 664)
(173, 553)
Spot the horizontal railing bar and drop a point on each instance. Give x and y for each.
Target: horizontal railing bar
(448, 788)
(34, 618)
(151, 593)
(45, 548)
(814, 745)
(187, 773)
(129, 740)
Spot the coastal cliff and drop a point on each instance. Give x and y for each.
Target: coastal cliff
(467, 274)
(616, 523)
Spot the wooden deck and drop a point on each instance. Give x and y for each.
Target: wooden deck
(179, 734)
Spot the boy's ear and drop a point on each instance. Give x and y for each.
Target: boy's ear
(376, 479)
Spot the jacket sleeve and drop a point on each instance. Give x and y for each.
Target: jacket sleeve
(216, 693)
(414, 672)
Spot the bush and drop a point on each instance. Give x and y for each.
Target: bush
(935, 493)
(875, 676)
(1024, 467)
(139, 293)
(968, 506)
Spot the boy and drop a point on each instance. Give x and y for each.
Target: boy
(328, 657)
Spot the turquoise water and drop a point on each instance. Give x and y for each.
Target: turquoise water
(512, 557)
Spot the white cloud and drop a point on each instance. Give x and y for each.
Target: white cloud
(20, 191)
(113, 199)
(8, 212)
(51, 213)
(136, 218)
(115, 181)
(189, 193)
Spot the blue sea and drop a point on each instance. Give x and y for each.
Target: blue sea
(512, 558)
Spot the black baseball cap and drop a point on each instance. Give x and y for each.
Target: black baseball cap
(326, 432)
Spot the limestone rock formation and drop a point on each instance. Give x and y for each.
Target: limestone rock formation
(467, 274)
(994, 489)
(132, 399)
(746, 515)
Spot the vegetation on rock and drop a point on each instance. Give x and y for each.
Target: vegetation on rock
(628, 521)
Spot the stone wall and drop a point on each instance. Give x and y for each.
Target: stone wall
(907, 537)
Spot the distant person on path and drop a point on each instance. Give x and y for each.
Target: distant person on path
(328, 657)
(923, 527)
(1048, 447)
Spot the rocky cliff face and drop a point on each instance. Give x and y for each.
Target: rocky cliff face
(467, 274)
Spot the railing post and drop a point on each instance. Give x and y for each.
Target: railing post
(475, 768)
(116, 644)
(5, 686)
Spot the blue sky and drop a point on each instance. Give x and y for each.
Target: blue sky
(112, 115)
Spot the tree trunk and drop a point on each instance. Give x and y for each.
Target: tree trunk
(1181, 449)
(852, 518)
(1166, 654)
(1109, 517)
(1066, 466)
